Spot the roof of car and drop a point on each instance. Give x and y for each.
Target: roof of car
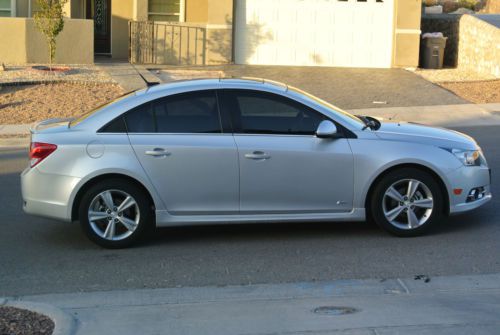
(216, 82)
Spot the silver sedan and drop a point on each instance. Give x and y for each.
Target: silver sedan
(240, 151)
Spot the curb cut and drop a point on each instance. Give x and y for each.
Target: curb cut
(64, 323)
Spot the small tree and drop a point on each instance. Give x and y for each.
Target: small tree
(49, 21)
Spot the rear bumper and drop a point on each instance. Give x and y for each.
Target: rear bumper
(468, 178)
(47, 195)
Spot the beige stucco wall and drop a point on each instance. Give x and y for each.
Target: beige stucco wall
(140, 10)
(121, 12)
(12, 40)
(21, 43)
(220, 11)
(196, 11)
(406, 33)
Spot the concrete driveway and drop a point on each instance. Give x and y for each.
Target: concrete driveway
(347, 88)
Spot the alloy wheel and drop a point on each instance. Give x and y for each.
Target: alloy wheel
(114, 215)
(408, 204)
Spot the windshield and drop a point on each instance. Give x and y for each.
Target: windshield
(327, 105)
(98, 108)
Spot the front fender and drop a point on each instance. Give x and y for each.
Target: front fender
(373, 157)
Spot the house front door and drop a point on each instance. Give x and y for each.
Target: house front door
(100, 12)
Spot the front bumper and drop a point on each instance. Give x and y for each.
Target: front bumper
(468, 178)
(46, 194)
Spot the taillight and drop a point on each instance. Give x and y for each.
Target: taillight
(39, 151)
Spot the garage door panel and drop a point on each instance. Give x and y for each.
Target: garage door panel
(314, 32)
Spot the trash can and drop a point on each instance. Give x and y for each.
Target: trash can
(433, 52)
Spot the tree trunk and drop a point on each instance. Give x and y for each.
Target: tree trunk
(50, 56)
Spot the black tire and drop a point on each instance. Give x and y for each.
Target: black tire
(378, 202)
(143, 206)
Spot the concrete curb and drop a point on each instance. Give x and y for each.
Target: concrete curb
(15, 142)
(64, 323)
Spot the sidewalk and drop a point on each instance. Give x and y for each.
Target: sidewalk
(443, 305)
(463, 115)
(124, 73)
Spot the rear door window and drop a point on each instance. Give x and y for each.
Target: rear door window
(193, 112)
(140, 119)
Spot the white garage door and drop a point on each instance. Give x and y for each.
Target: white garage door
(352, 33)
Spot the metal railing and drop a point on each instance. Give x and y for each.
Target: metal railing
(166, 43)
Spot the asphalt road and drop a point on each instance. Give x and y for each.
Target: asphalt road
(45, 256)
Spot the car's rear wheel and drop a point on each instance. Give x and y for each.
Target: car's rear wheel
(115, 214)
(407, 202)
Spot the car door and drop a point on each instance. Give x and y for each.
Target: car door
(180, 143)
(284, 167)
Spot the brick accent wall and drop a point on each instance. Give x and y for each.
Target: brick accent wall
(479, 46)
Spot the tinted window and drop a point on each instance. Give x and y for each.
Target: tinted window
(193, 112)
(115, 126)
(140, 119)
(267, 113)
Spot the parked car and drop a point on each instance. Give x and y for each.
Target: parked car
(245, 150)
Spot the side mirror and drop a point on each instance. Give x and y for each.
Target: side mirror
(327, 129)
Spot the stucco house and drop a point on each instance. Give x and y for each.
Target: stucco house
(351, 33)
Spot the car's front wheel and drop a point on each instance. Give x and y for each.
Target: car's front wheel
(407, 202)
(115, 214)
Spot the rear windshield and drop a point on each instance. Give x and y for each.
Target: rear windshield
(98, 108)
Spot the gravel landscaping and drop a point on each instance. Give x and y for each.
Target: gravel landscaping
(453, 75)
(16, 321)
(475, 87)
(479, 92)
(76, 73)
(30, 103)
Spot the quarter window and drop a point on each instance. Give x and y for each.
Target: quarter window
(266, 113)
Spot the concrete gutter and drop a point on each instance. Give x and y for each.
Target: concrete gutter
(421, 305)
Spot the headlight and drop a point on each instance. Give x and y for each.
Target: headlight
(468, 157)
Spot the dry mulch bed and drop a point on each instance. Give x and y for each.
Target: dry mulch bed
(479, 92)
(31, 103)
(16, 321)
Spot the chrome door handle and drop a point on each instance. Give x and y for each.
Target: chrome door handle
(157, 152)
(258, 155)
